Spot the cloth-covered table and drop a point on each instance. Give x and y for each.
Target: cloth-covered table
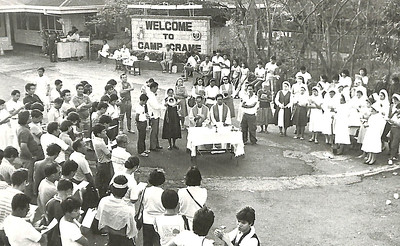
(71, 49)
(198, 136)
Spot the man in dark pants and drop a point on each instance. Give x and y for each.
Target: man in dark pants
(141, 118)
(53, 46)
(126, 103)
(248, 123)
(155, 114)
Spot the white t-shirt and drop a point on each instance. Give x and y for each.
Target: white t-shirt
(140, 109)
(259, 73)
(186, 204)
(306, 76)
(118, 157)
(83, 166)
(47, 139)
(69, 232)
(152, 204)
(20, 232)
(189, 238)
(168, 227)
(192, 61)
(216, 59)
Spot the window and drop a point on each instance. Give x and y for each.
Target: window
(51, 23)
(21, 21)
(33, 22)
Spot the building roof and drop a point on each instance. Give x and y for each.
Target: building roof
(51, 6)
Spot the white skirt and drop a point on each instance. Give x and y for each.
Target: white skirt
(315, 120)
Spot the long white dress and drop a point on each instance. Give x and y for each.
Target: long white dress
(341, 124)
(328, 104)
(316, 114)
(372, 139)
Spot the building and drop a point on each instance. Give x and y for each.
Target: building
(22, 20)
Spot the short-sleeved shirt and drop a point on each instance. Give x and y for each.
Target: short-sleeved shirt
(259, 72)
(83, 166)
(54, 211)
(21, 232)
(47, 139)
(70, 233)
(125, 95)
(216, 59)
(6, 169)
(152, 204)
(206, 66)
(36, 130)
(25, 136)
(47, 190)
(118, 157)
(101, 150)
(168, 55)
(189, 238)
(140, 109)
(83, 112)
(6, 197)
(168, 226)
(249, 101)
(38, 172)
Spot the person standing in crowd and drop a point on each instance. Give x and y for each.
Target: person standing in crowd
(180, 96)
(211, 92)
(283, 112)
(152, 207)
(7, 138)
(30, 150)
(125, 103)
(190, 67)
(364, 76)
(141, 118)
(199, 114)
(52, 136)
(341, 125)
(394, 87)
(226, 90)
(117, 216)
(52, 152)
(259, 72)
(249, 120)
(198, 88)
(171, 127)
(69, 226)
(42, 83)
(54, 113)
(202, 223)
(105, 170)
(235, 73)
(154, 108)
(300, 102)
(19, 180)
(225, 67)
(271, 69)
(394, 122)
(36, 125)
(52, 50)
(30, 97)
(104, 52)
(14, 106)
(56, 91)
(303, 73)
(84, 173)
(193, 197)
(169, 224)
(55, 211)
(82, 104)
(244, 234)
(47, 187)
(220, 114)
(15, 223)
(167, 59)
(67, 103)
(119, 155)
(206, 70)
(315, 106)
(216, 62)
(114, 112)
(264, 112)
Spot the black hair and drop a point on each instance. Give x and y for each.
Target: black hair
(365, 71)
(102, 105)
(219, 95)
(23, 117)
(15, 92)
(112, 82)
(108, 87)
(10, 152)
(28, 86)
(104, 98)
(53, 150)
(156, 177)
(303, 68)
(169, 199)
(346, 72)
(59, 100)
(335, 77)
(153, 85)
(64, 92)
(65, 125)
(19, 176)
(36, 113)
(57, 82)
(52, 126)
(38, 106)
(64, 185)
(50, 170)
(132, 162)
(97, 129)
(70, 204)
(113, 97)
(396, 79)
(105, 119)
(193, 176)
(20, 201)
(73, 116)
(247, 214)
(143, 97)
(80, 85)
(68, 167)
(202, 221)
(41, 68)
(77, 144)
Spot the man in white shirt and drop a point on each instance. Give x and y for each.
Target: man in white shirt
(119, 155)
(216, 61)
(51, 137)
(211, 92)
(17, 229)
(167, 59)
(67, 104)
(206, 69)
(56, 91)
(225, 66)
(271, 69)
(14, 106)
(259, 72)
(55, 114)
(199, 114)
(190, 67)
(6, 167)
(83, 173)
(155, 113)
(249, 109)
(42, 83)
(220, 113)
(141, 117)
(303, 73)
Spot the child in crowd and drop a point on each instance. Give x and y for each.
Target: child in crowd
(142, 116)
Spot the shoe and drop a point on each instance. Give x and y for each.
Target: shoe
(147, 151)
(281, 134)
(253, 143)
(295, 137)
(159, 147)
(310, 140)
(371, 162)
(170, 72)
(316, 141)
(164, 71)
(175, 147)
(144, 155)
(390, 162)
(266, 132)
(169, 147)
(301, 138)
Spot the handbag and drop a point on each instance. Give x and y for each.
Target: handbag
(139, 214)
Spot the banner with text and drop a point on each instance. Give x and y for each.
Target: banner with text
(153, 33)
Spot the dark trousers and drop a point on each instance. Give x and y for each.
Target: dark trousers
(155, 125)
(53, 53)
(150, 236)
(105, 172)
(141, 127)
(248, 125)
(117, 240)
(126, 109)
(394, 141)
(113, 132)
(3, 239)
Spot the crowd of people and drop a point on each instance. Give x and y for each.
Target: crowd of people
(45, 175)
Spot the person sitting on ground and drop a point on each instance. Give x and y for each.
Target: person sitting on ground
(117, 216)
(17, 229)
(70, 228)
(167, 59)
(54, 210)
(202, 222)
(170, 223)
(104, 52)
(244, 234)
